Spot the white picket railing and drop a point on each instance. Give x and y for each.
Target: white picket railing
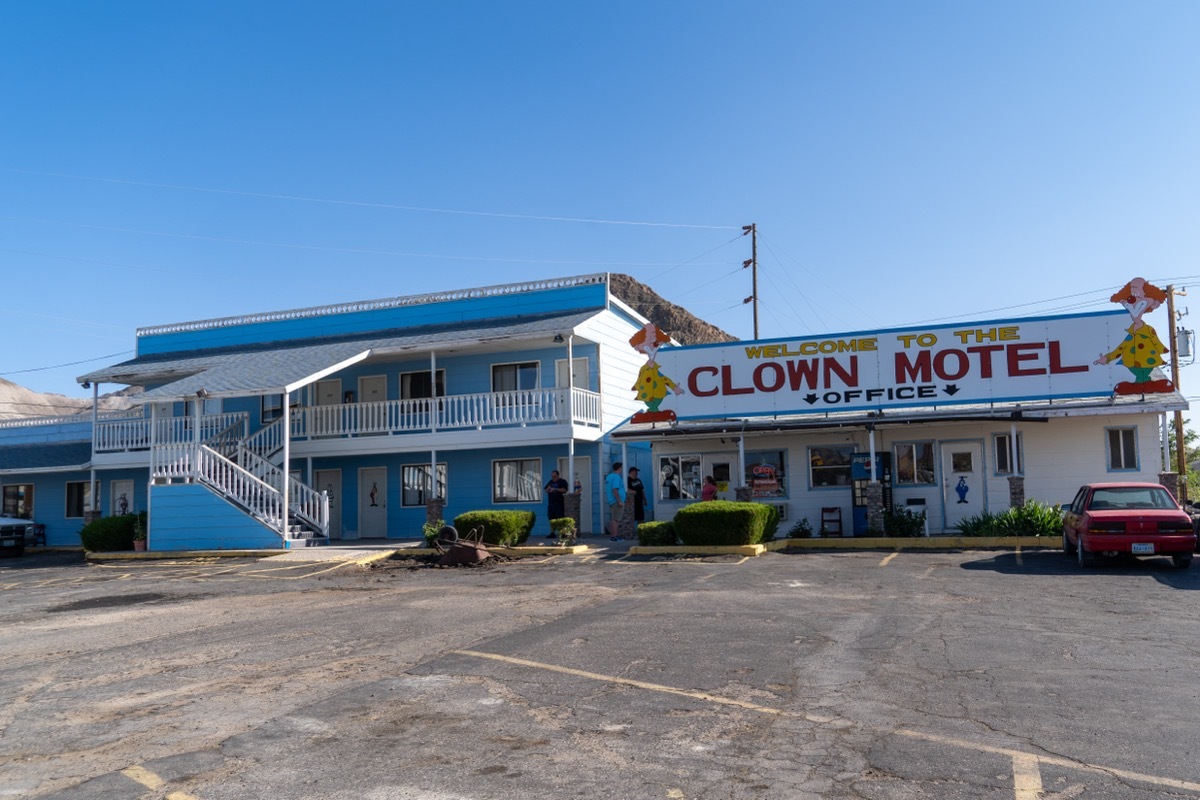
(483, 410)
(118, 435)
(260, 499)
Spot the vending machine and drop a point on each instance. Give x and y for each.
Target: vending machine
(860, 476)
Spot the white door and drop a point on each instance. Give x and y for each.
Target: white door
(583, 469)
(723, 469)
(122, 498)
(372, 502)
(330, 482)
(962, 481)
(372, 419)
(326, 419)
(579, 373)
(329, 393)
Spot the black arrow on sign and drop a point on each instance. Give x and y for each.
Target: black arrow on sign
(951, 389)
(810, 398)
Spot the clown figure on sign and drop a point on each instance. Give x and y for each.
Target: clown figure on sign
(1141, 351)
(652, 386)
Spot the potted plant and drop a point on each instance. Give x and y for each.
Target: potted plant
(139, 535)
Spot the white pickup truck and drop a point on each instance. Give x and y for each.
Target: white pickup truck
(12, 535)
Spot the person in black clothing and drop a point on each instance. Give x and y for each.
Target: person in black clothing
(637, 495)
(556, 489)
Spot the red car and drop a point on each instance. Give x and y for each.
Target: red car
(1141, 519)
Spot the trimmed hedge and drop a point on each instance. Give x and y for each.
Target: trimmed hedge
(725, 523)
(109, 534)
(656, 534)
(504, 528)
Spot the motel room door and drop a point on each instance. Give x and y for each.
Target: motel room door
(372, 503)
(962, 481)
(330, 481)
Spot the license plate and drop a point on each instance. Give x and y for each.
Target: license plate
(1143, 548)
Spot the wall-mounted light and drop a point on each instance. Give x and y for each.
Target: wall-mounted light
(87, 384)
(558, 338)
(202, 393)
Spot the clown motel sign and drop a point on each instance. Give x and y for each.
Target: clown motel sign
(1004, 361)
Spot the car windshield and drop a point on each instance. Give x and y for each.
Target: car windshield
(1131, 497)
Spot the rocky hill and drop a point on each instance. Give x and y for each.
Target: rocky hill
(680, 323)
(16, 401)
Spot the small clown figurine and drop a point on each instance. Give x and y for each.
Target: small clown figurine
(652, 385)
(1141, 351)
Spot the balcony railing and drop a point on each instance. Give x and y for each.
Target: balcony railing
(452, 412)
(387, 417)
(118, 435)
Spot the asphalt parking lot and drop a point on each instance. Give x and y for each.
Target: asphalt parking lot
(883, 675)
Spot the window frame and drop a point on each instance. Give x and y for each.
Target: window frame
(931, 466)
(847, 449)
(755, 458)
(1000, 454)
(537, 375)
(688, 484)
(268, 414)
(1109, 433)
(536, 484)
(439, 387)
(26, 499)
(422, 490)
(85, 502)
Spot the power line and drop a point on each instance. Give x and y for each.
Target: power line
(364, 204)
(68, 364)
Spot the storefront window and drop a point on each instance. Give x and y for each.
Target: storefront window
(766, 473)
(679, 477)
(829, 466)
(18, 500)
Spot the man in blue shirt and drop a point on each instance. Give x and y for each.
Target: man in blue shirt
(614, 493)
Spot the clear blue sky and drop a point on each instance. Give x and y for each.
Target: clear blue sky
(905, 162)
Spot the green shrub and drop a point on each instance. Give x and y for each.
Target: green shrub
(430, 531)
(563, 529)
(723, 523)
(656, 534)
(1031, 519)
(504, 528)
(108, 534)
(772, 526)
(903, 522)
(803, 529)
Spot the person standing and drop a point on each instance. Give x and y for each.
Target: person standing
(709, 492)
(637, 495)
(556, 490)
(614, 493)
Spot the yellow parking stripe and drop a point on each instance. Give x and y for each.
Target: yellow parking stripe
(887, 559)
(1027, 777)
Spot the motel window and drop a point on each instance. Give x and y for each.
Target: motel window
(679, 477)
(18, 500)
(79, 499)
(419, 385)
(514, 377)
(416, 486)
(272, 406)
(1002, 445)
(1122, 449)
(766, 473)
(829, 466)
(914, 463)
(517, 480)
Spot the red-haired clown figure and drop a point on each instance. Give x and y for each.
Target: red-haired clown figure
(1141, 352)
(652, 385)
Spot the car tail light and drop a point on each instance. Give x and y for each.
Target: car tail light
(1106, 527)
(1175, 526)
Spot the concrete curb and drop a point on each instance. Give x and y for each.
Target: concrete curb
(862, 543)
(167, 555)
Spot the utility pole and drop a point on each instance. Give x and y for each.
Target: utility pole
(1180, 456)
(752, 229)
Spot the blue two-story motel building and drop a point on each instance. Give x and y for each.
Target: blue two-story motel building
(343, 421)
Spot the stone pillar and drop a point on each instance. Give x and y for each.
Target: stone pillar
(90, 516)
(1016, 491)
(627, 524)
(874, 497)
(434, 508)
(742, 494)
(1171, 481)
(571, 505)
